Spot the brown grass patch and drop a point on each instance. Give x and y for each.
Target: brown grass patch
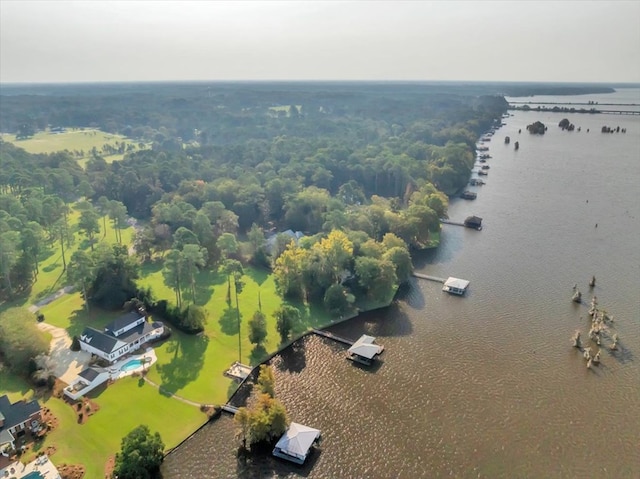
(109, 466)
(84, 408)
(71, 471)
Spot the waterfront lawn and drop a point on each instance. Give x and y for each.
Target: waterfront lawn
(123, 406)
(193, 366)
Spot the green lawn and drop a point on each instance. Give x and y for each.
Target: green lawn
(192, 366)
(72, 140)
(123, 406)
(13, 386)
(51, 277)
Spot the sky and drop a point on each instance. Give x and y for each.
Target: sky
(108, 40)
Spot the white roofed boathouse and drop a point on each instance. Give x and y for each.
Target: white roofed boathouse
(296, 443)
(455, 286)
(364, 350)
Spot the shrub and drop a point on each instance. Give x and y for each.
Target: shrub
(75, 344)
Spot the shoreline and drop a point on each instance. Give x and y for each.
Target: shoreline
(289, 344)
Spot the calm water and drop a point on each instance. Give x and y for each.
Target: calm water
(486, 385)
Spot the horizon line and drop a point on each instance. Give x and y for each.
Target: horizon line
(370, 81)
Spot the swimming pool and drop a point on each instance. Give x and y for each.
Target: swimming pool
(132, 364)
(33, 475)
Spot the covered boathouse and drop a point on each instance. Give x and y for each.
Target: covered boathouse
(364, 350)
(296, 443)
(455, 286)
(473, 222)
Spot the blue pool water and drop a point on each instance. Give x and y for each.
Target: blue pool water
(129, 365)
(33, 475)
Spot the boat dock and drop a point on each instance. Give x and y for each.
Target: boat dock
(326, 334)
(230, 409)
(449, 222)
(429, 278)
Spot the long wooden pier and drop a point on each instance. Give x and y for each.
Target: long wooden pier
(326, 334)
(449, 222)
(429, 278)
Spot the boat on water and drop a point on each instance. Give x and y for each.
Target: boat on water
(485, 167)
(482, 148)
(468, 195)
(507, 140)
(483, 172)
(476, 182)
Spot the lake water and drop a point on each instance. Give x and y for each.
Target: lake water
(486, 385)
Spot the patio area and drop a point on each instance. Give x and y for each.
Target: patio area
(41, 468)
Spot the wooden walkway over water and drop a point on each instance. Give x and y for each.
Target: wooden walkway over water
(326, 334)
(230, 409)
(449, 222)
(429, 278)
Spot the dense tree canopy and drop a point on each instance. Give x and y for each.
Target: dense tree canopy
(20, 339)
(140, 455)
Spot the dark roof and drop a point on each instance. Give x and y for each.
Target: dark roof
(123, 321)
(89, 374)
(99, 340)
(16, 413)
(137, 332)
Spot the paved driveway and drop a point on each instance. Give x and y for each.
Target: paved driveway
(65, 364)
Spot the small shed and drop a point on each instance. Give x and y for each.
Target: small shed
(296, 443)
(473, 222)
(364, 350)
(455, 285)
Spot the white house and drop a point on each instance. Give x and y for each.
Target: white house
(87, 380)
(123, 335)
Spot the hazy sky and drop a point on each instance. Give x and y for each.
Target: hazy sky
(63, 41)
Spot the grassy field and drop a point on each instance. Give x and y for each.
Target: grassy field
(72, 140)
(51, 276)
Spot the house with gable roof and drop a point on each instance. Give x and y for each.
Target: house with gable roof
(16, 419)
(123, 335)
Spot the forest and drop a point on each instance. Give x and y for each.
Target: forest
(239, 215)
(229, 165)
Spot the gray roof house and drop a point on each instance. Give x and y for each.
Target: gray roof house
(125, 334)
(16, 418)
(294, 235)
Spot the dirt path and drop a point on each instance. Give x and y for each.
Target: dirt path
(43, 302)
(174, 396)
